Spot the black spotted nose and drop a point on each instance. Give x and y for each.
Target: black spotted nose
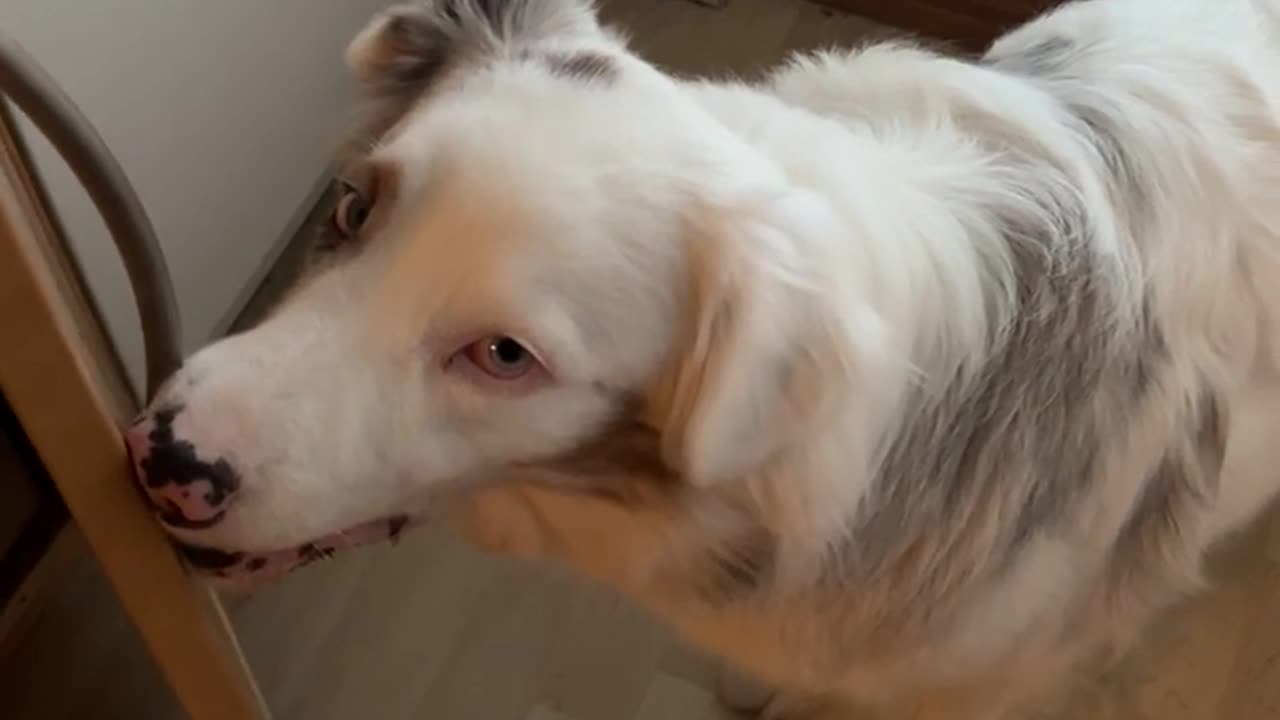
(187, 491)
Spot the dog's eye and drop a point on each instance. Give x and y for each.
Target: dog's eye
(501, 358)
(351, 213)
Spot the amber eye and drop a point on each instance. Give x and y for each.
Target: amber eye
(501, 357)
(351, 213)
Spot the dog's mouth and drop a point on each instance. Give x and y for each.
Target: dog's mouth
(187, 492)
(245, 565)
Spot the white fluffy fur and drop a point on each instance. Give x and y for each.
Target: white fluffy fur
(679, 242)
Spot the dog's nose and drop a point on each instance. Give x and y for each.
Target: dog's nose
(187, 491)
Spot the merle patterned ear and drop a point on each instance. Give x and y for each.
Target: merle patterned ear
(407, 46)
(404, 47)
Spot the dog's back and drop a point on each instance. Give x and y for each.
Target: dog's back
(1156, 122)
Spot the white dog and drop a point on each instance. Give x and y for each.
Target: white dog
(897, 380)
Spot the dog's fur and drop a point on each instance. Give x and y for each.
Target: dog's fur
(893, 378)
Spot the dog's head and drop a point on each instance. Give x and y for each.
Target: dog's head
(541, 239)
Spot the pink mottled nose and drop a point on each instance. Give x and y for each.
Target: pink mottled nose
(187, 491)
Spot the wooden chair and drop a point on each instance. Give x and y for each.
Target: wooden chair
(67, 392)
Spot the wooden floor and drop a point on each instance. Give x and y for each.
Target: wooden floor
(432, 630)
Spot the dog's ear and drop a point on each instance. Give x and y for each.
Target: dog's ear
(761, 347)
(404, 46)
(408, 45)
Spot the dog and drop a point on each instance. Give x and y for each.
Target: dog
(899, 380)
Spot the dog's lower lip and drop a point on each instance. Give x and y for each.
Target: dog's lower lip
(204, 558)
(247, 564)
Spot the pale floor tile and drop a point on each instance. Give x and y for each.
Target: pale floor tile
(821, 28)
(671, 698)
(1254, 689)
(542, 713)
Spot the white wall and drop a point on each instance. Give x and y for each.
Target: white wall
(224, 114)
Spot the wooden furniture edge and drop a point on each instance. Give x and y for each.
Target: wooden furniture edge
(51, 372)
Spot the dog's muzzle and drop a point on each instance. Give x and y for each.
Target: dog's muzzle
(191, 492)
(187, 491)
